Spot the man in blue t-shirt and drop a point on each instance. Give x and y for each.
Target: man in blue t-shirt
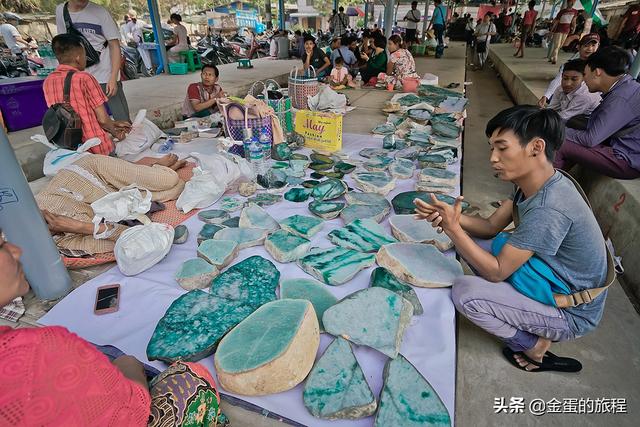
(544, 282)
(439, 21)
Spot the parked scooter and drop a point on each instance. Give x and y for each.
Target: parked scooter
(133, 66)
(12, 66)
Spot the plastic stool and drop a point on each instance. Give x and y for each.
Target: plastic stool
(192, 59)
(244, 63)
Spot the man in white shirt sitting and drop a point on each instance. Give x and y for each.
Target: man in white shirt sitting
(573, 98)
(12, 37)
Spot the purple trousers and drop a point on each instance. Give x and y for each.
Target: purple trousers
(600, 159)
(506, 313)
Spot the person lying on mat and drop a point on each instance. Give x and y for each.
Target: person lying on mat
(86, 96)
(66, 200)
(202, 98)
(314, 57)
(526, 284)
(73, 383)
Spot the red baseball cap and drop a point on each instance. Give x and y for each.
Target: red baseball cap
(590, 38)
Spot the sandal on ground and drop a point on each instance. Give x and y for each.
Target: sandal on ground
(550, 362)
(453, 85)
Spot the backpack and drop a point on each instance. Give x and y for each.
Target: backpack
(93, 57)
(62, 125)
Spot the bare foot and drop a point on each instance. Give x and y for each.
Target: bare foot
(168, 160)
(179, 164)
(536, 353)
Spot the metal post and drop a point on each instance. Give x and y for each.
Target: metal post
(366, 13)
(281, 22)
(635, 67)
(425, 23)
(156, 23)
(388, 18)
(336, 5)
(267, 14)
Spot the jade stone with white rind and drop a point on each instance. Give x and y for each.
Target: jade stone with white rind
(336, 387)
(335, 266)
(371, 153)
(409, 153)
(286, 247)
(195, 273)
(407, 399)
(301, 225)
(403, 203)
(329, 189)
(231, 222)
(193, 325)
(382, 278)
(180, 234)
(357, 198)
(271, 351)
(253, 281)
(253, 216)
(245, 237)
(378, 164)
(374, 182)
(297, 194)
(364, 235)
(419, 265)
(213, 216)
(374, 212)
(207, 232)
(431, 187)
(440, 176)
(311, 290)
(408, 229)
(218, 252)
(326, 210)
(402, 168)
(375, 317)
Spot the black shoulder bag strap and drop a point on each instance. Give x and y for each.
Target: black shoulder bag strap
(67, 18)
(67, 87)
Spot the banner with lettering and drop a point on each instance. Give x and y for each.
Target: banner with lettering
(321, 131)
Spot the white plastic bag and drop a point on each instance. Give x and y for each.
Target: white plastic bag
(143, 134)
(57, 158)
(231, 169)
(143, 246)
(126, 204)
(328, 99)
(202, 190)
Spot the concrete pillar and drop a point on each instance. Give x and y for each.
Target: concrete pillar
(156, 23)
(388, 18)
(425, 23)
(267, 14)
(281, 22)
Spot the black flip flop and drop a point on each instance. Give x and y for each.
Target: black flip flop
(453, 85)
(550, 362)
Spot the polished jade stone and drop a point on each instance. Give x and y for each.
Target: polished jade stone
(375, 317)
(231, 204)
(245, 237)
(364, 235)
(371, 153)
(274, 178)
(374, 182)
(407, 228)
(208, 231)
(253, 216)
(382, 278)
(213, 216)
(321, 158)
(336, 387)
(193, 325)
(410, 153)
(301, 225)
(344, 167)
(358, 198)
(180, 234)
(407, 399)
(374, 212)
(403, 202)
(195, 273)
(320, 166)
(310, 290)
(252, 281)
(448, 130)
(296, 168)
(432, 161)
(329, 189)
(335, 266)
(231, 222)
(402, 168)
(419, 265)
(294, 180)
(316, 175)
(378, 164)
(286, 247)
(297, 194)
(280, 165)
(331, 174)
(298, 156)
(389, 142)
(265, 199)
(310, 183)
(281, 151)
(326, 210)
(451, 154)
(218, 252)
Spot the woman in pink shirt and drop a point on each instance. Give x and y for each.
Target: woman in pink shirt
(528, 24)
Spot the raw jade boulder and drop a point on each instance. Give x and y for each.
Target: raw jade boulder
(335, 266)
(311, 290)
(253, 281)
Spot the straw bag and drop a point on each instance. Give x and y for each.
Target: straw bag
(234, 120)
(272, 95)
(301, 88)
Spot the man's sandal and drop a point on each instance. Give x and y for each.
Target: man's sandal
(550, 362)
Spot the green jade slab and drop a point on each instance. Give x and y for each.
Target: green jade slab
(336, 387)
(253, 216)
(389, 142)
(298, 156)
(208, 231)
(286, 247)
(364, 235)
(374, 182)
(439, 176)
(326, 210)
(379, 164)
(296, 168)
(409, 153)
(213, 216)
(402, 168)
(281, 151)
(331, 174)
(265, 199)
(357, 198)
(316, 175)
(382, 278)
(231, 222)
(431, 187)
(344, 168)
(297, 195)
(195, 273)
(437, 161)
(321, 158)
(329, 189)
(406, 228)
(193, 325)
(310, 290)
(231, 204)
(374, 212)
(403, 202)
(336, 265)
(375, 317)
(370, 153)
(419, 265)
(301, 225)
(320, 166)
(218, 252)
(245, 237)
(407, 399)
(180, 234)
(310, 183)
(252, 281)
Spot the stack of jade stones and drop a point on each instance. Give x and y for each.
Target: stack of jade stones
(230, 306)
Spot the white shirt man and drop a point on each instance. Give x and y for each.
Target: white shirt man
(12, 38)
(412, 18)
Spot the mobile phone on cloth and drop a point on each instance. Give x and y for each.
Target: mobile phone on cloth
(107, 299)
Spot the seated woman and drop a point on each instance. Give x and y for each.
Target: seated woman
(401, 64)
(72, 383)
(202, 98)
(66, 200)
(376, 62)
(180, 40)
(314, 57)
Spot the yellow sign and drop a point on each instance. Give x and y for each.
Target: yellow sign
(321, 131)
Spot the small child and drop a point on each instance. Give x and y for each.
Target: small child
(340, 77)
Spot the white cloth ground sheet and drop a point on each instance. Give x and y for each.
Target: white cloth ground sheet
(429, 342)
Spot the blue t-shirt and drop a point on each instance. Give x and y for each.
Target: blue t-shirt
(348, 56)
(558, 226)
(440, 15)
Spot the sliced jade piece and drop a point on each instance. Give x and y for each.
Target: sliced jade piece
(326, 210)
(410, 153)
(311, 290)
(329, 189)
(265, 199)
(294, 180)
(281, 151)
(320, 166)
(286, 247)
(402, 168)
(389, 142)
(430, 187)
(193, 325)
(245, 237)
(180, 234)
(218, 252)
(321, 158)
(437, 175)
(274, 178)
(280, 165)
(231, 204)
(364, 235)
(310, 183)
(213, 216)
(408, 229)
(358, 198)
(371, 153)
(384, 129)
(343, 167)
(403, 202)
(231, 222)
(208, 231)
(301, 225)
(374, 182)
(378, 164)
(375, 212)
(331, 174)
(433, 161)
(195, 273)
(297, 194)
(316, 175)
(382, 278)
(298, 156)
(253, 216)
(335, 266)
(419, 265)
(336, 387)
(252, 281)
(375, 317)
(407, 399)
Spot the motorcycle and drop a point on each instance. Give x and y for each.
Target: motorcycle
(132, 64)
(13, 66)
